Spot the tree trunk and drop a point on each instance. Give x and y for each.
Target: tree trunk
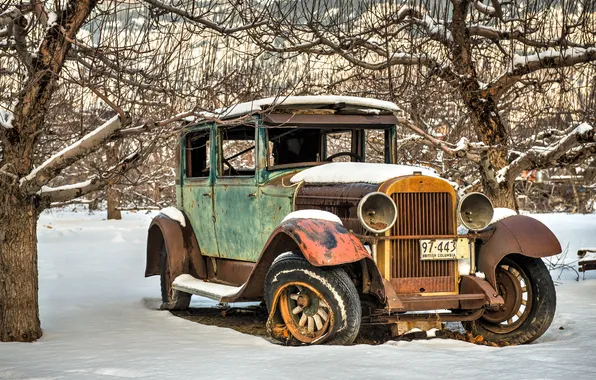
(113, 203)
(19, 309)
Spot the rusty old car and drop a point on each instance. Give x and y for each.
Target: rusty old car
(298, 202)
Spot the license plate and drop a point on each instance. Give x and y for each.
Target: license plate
(444, 249)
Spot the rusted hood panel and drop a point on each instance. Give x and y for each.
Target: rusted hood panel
(325, 243)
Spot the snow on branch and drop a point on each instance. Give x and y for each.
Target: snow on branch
(72, 153)
(9, 16)
(527, 64)
(543, 157)
(485, 9)
(463, 149)
(67, 192)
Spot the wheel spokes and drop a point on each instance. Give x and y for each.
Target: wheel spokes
(303, 320)
(311, 324)
(322, 313)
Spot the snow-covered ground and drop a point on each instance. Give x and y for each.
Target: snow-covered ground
(98, 322)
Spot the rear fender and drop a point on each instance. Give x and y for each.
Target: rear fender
(321, 242)
(183, 250)
(516, 234)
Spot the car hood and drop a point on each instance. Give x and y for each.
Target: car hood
(357, 172)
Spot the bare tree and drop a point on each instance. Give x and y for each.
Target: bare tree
(485, 52)
(77, 77)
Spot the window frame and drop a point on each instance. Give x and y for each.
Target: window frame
(219, 151)
(186, 156)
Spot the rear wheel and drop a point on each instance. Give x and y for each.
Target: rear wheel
(171, 299)
(530, 302)
(317, 305)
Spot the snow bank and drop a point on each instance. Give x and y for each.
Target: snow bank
(99, 322)
(174, 214)
(313, 214)
(351, 172)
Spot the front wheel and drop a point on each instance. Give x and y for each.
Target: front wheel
(317, 305)
(530, 302)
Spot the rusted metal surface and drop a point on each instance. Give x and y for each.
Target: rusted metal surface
(183, 251)
(325, 243)
(517, 234)
(339, 200)
(412, 317)
(448, 301)
(423, 284)
(475, 285)
(321, 242)
(319, 121)
(229, 272)
(426, 209)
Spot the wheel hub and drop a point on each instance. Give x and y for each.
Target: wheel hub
(306, 314)
(513, 285)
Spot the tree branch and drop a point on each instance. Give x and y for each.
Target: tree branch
(544, 157)
(203, 21)
(69, 155)
(523, 65)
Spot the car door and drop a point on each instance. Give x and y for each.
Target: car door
(236, 194)
(197, 187)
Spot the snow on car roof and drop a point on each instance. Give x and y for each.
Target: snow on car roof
(314, 100)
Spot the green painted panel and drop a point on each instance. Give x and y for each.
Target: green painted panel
(196, 199)
(198, 206)
(275, 202)
(237, 218)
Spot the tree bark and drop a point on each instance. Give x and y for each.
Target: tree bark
(19, 309)
(113, 196)
(484, 112)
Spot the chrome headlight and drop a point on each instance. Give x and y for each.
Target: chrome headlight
(377, 212)
(475, 211)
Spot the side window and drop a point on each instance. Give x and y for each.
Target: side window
(376, 142)
(237, 151)
(339, 142)
(197, 154)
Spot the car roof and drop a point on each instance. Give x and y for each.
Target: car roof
(358, 104)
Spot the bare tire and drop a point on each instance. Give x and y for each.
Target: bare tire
(171, 299)
(317, 305)
(530, 302)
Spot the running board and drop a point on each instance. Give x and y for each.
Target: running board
(188, 284)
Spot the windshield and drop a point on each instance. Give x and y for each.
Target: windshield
(296, 147)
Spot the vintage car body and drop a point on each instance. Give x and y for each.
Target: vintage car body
(239, 226)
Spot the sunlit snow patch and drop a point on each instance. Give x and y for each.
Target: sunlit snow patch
(174, 214)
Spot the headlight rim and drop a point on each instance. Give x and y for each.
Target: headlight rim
(459, 212)
(360, 214)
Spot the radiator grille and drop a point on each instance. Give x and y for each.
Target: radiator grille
(421, 214)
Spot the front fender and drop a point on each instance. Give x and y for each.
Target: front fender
(516, 234)
(324, 243)
(181, 244)
(321, 242)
